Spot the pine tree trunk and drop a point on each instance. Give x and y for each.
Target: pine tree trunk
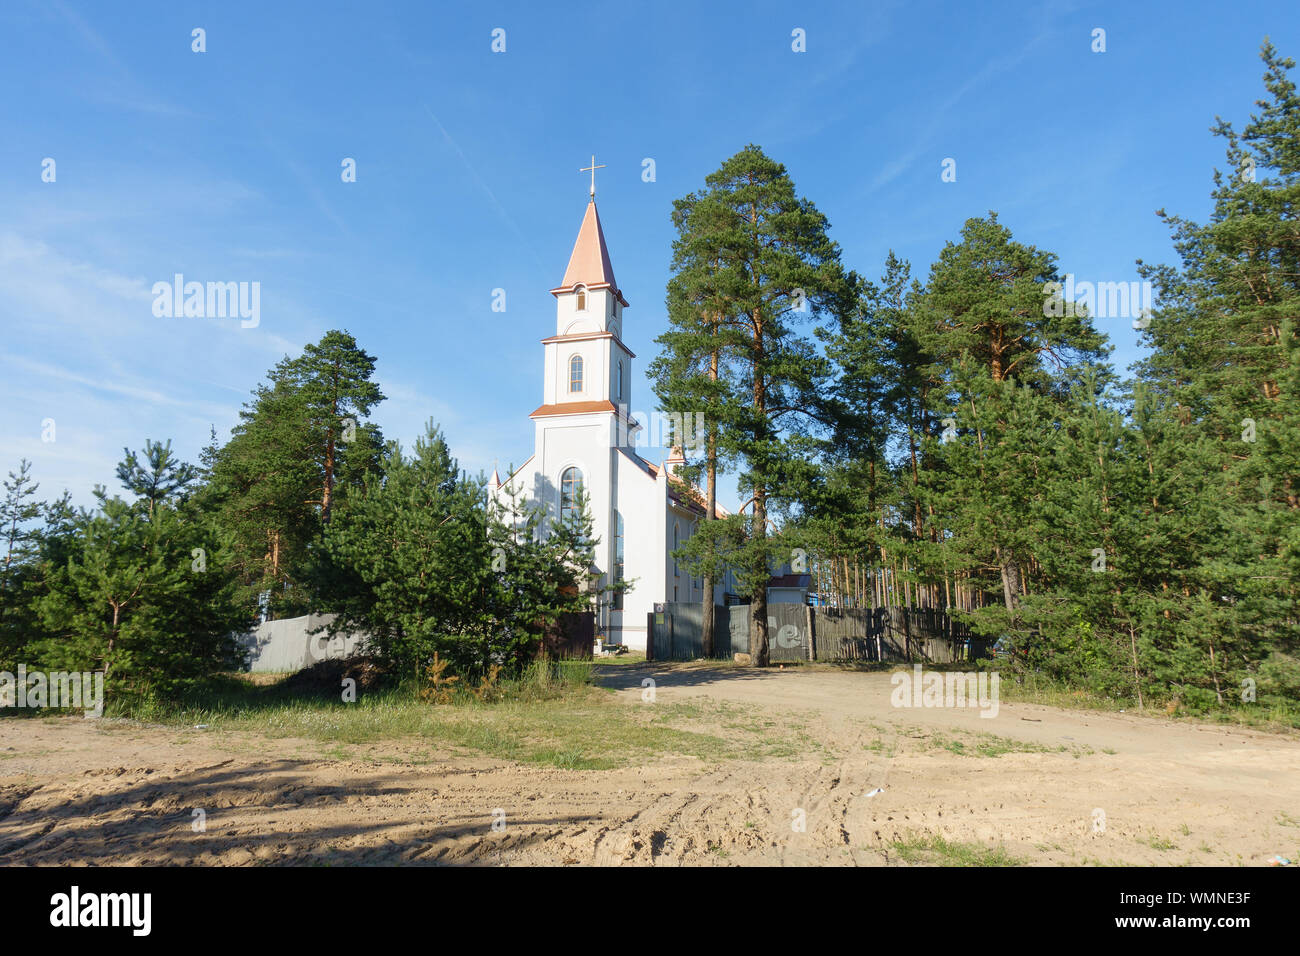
(758, 650)
(758, 620)
(1137, 682)
(327, 495)
(1214, 673)
(1010, 580)
(707, 611)
(711, 498)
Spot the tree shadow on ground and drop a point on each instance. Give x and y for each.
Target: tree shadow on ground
(681, 674)
(248, 819)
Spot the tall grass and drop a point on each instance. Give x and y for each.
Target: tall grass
(230, 696)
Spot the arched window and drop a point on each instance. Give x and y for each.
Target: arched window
(575, 374)
(618, 383)
(570, 486)
(581, 298)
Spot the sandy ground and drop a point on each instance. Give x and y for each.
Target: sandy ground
(1172, 792)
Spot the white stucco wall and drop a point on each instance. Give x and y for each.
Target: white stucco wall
(642, 504)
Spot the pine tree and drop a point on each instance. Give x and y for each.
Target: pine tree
(303, 443)
(163, 478)
(334, 378)
(772, 267)
(543, 570)
(408, 560)
(687, 373)
(18, 510)
(144, 593)
(1226, 362)
(862, 509)
(421, 564)
(990, 321)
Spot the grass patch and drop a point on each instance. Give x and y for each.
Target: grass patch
(1093, 861)
(1279, 717)
(972, 744)
(878, 746)
(1160, 843)
(552, 716)
(737, 730)
(935, 850)
(620, 660)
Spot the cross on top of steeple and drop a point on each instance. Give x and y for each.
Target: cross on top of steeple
(592, 169)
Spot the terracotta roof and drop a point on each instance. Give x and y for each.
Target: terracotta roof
(589, 264)
(577, 408)
(693, 497)
(679, 490)
(572, 408)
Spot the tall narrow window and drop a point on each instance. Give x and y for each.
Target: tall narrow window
(677, 572)
(575, 374)
(618, 385)
(618, 559)
(570, 487)
(582, 298)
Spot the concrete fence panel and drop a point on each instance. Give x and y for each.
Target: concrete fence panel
(288, 644)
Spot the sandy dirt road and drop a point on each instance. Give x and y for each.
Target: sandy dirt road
(1030, 782)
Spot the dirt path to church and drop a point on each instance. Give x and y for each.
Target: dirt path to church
(872, 784)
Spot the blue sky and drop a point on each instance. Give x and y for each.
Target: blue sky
(225, 166)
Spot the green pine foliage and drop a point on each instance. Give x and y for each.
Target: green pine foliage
(423, 564)
(977, 453)
(754, 265)
(19, 513)
(1225, 367)
(140, 590)
(303, 445)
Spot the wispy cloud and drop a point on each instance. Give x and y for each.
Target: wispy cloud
(136, 393)
(939, 119)
(309, 183)
(121, 89)
(492, 197)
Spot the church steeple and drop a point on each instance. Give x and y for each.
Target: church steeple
(587, 368)
(589, 264)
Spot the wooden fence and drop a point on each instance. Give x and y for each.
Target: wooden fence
(801, 632)
(573, 636)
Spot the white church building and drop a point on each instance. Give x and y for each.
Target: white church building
(585, 439)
